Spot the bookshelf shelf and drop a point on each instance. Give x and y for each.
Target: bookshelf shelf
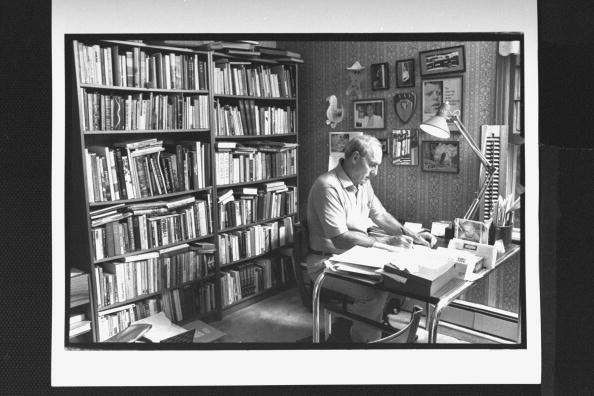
(137, 252)
(254, 137)
(227, 265)
(256, 181)
(147, 90)
(256, 223)
(148, 199)
(119, 86)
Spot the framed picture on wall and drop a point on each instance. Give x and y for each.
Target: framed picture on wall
(436, 90)
(380, 76)
(441, 156)
(441, 61)
(369, 114)
(405, 73)
(385, 145)
(405, 147)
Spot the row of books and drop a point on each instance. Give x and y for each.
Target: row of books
(250, 119)
(254, 277)
(253, 204)
(135, 227)
(254, 240)
(243, 78)
(151, 272)
(187, 301)
(406, 147)
(105, 112)
(240, 165)
(113, 66)
(111, 321)
(140, 169)
(79, 324)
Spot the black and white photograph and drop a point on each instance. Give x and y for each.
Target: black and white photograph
(201, 224)
(471, 230)
(369, 114)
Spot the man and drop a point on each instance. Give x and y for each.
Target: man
(340, 206)
(373, 120)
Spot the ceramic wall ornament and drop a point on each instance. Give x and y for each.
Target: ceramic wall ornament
(355, 72)
(405, 105)
(334, 114)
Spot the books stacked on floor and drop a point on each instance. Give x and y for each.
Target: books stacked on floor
(143, 168)
(111, 65)
(254, 240)
(79, 325)
(246, 79)
(148, 273)
(254, 277)
(112, 321)
(189, 300)
(254, 204)
(123, 229)
(143, 111)
(254, 162)
(79, 287)
(249, 118)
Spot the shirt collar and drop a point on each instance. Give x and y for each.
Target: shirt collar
(344, 179)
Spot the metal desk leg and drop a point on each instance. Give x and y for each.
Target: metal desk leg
(316, 307)
(433, 322)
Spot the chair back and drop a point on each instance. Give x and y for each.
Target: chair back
(408, 333)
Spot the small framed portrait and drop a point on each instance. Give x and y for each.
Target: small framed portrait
(405, 73)
(380, 76)
(385, 145)
(442, 61)
(470, 230)
(437, 90)
(369, 114)
(441, 156)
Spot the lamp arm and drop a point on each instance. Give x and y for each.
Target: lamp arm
(475, 203)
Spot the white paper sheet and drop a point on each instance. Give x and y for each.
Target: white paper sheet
(162, 327)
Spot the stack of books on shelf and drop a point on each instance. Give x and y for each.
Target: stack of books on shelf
(143, 111)
(246, 79)
(279, 54)
(112, 65)
(250, 119)
(254, 162)
(189, 300)
(254, 240)
(135, 227)
(79, 324)
(79, 287)
(141, 169)
(250, 204)
(254, 277)
(147, 273)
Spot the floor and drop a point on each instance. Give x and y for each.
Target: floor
(283, 318)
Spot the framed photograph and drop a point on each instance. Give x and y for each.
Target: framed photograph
(470, 230)
(380, 76)
(405, 147)
(441, 61)
(385, 145)
(437, 90)
(369, 114)
(405, 73)
(441, 156)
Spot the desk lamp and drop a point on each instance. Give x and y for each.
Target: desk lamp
(438, 126)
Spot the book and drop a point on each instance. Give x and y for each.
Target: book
(79, 327)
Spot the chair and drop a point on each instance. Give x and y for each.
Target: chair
(407, 334)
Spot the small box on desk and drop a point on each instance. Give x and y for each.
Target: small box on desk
(488, 252)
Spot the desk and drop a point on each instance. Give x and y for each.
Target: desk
(440, 299)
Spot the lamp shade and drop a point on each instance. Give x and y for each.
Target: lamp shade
(438, 124)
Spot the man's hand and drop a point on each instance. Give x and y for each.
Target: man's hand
(401, 241)
(426, 239)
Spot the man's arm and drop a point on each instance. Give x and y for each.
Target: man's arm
(348, 239)
(389, 224)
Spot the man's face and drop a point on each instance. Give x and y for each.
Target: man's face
(365, 167)
(369, 110)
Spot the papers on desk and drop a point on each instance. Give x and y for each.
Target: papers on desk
(370, 257)
(162, 327)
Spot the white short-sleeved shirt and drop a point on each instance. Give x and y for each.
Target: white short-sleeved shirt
(335, 205)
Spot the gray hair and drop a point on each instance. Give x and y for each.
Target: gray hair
(361, 143)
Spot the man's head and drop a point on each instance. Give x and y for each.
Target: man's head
(362, 156)
(370, 110)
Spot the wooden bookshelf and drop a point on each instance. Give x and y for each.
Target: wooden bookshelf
(146, 103)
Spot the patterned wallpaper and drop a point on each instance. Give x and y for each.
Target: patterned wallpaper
(406, 191)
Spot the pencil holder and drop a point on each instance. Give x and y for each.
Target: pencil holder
(501, 232)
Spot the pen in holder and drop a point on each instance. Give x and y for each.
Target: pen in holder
(502, 216)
